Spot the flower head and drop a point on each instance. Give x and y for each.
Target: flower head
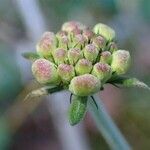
(80, 60)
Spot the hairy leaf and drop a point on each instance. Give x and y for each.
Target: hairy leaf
(30, 56)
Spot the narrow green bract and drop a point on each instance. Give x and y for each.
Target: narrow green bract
(77, 109)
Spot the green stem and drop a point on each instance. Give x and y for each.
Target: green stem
(107, 127)
(55, 89)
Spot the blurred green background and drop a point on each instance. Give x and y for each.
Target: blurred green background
(23, 127)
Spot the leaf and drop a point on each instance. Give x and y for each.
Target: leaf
(43, 91)
(30, 56)
(128, 82)
(133, 82)
(77, 109)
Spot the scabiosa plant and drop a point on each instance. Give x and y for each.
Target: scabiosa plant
(83, 60)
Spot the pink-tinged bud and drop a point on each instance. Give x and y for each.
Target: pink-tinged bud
(99, 42)
(88, 34)
(63, 42)
(83, 66)
(74, 55)
(60, 56)
(66, 72)
(106, 57)
(107, 32)
(79, 41)
(45, 72)
(102, 71)
(61, 34)
(112, 46)
(72, 25)
(46, 45)
(120, 61)
(91, 52)
(84, 85)
(76, 31)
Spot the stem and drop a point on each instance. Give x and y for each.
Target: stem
(107, 127)
(55, 89)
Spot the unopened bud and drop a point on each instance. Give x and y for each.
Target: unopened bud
(46, 45)
(99, 42)
(60, 55)
(120, 61)
(91, 52)
(112, 46)
(61, 34)
(83, 66)
(66, 72)
(45, 72)
(106, 57)
(85, 85)
(63, 42)
(104, 30)
(79, 41)
(72, 25)
(88, 34)
(74, 55)
(102, 71)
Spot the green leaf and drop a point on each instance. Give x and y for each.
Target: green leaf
(30, 56)
(77, 109)
(128, 82)
(107, 127)
(133, 82)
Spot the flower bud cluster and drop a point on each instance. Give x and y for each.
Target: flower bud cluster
(79, 58)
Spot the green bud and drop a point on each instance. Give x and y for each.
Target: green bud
(84, 85)
(79, 41)
(104, 30)
(112, 46)
(88, 34)
(77, 109)
(102, 71)
(106, 57)
(60, 56)
(74, 55)
(99, 42)
(66, 72)
(46, 44)
(91, 52)
(83, 66)
(44, 71)
(120, 61)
